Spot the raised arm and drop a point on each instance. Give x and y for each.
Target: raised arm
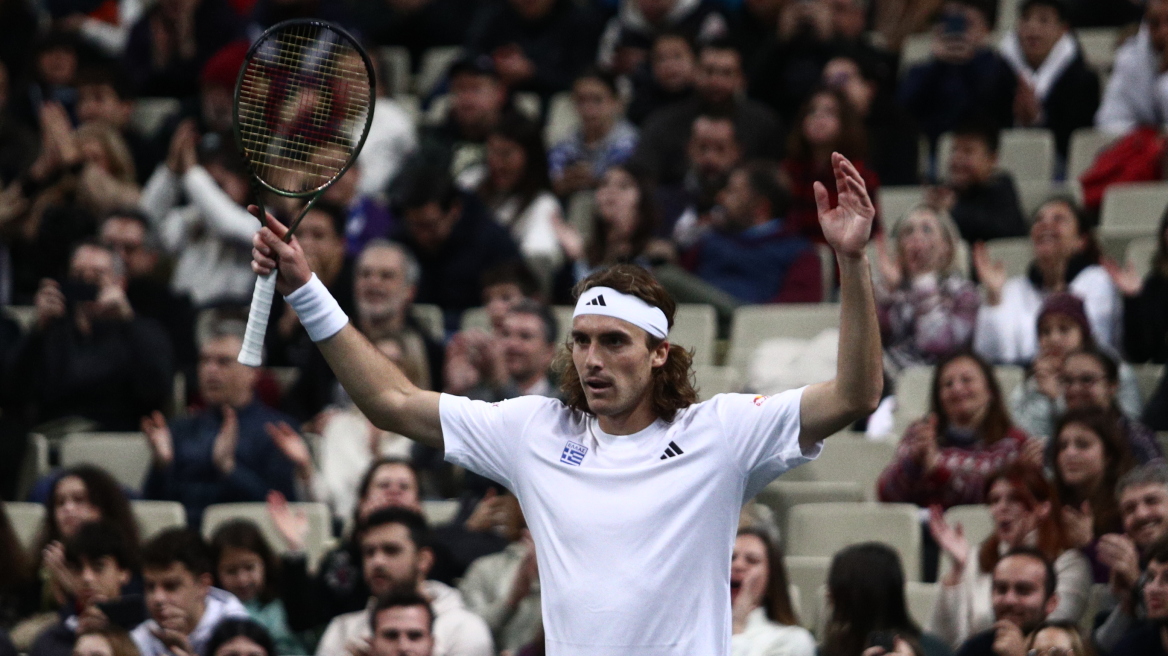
(855, 391)
(374, 383)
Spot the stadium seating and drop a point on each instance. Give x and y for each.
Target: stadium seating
(975, 521)
(1015, 252)
(23, 315)
(754, 324)
(394, 73)
(921, 598)
(317, 543)
(1132, 210)
(26, 520)
(895, 202)
(150, 114)
(1085, 146)
(154, 517)
(1139, 252)
(1148, 376)
(126, 456)
(580, 208)
(712, 380)
(808, 574)
(1027, 153)
(563, 121)
(850, 458)
(914, 385)
(782, 495)
(435, 63)
(822, 529)
(1098, 45)
(440, 512)
(430, 318)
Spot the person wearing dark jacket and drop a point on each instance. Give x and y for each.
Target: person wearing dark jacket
(224, 453)
(982, 200)
(170, 66)
(416, 25)
(89, 355)
(1056, 88)
(630, 34)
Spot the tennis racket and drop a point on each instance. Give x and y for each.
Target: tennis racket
(303, 106)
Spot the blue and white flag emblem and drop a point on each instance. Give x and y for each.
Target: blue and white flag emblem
(573, 454)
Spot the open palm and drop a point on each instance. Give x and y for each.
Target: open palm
(848, 225)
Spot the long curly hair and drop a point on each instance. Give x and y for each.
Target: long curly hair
(673, 382)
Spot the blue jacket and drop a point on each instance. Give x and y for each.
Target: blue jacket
(762, 264)
(193, 480)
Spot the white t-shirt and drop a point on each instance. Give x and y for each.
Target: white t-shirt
(633, 533)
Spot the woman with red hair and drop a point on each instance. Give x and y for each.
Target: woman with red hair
(1026, 513)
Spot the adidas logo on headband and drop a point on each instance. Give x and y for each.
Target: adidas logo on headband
(610, 302)
(599, 300)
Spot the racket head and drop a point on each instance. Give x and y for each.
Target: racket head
(303, 106)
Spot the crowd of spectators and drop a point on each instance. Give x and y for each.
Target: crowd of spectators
(698, 130)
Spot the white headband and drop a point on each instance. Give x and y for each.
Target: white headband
(609, 302)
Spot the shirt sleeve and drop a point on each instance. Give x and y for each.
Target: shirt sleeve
(484, 437)
(763, 434)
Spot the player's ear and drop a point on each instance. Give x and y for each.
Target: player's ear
(659, 355)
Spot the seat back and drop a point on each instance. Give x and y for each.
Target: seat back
(1148, 376)
(809, 574)
(1133, 210)
(316, 543)
(435, 63)
(1028, 154)
(781, 496)
(975, 520)
(27, 519)
(713, 380)
(440, 512)
(822, 529)
(754, 324)
(1015, 252)
(1139, 254)
(430, 318)
(154, 517)
(1086, 144)
(126, 456)
(848, 458)
(921, 598)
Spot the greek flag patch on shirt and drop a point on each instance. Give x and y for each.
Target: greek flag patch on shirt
(573, 454)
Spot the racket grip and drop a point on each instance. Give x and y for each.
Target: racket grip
(257, 320)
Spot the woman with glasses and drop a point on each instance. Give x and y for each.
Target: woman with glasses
(1090, 379)
(1057, 639)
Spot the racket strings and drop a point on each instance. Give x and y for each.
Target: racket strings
(304, 97)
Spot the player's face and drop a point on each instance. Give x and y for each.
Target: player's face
(614, 362)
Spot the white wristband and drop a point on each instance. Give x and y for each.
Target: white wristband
(319, 312)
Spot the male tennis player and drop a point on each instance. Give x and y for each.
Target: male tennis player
(632, 490)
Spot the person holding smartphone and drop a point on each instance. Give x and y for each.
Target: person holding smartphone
(102, 564)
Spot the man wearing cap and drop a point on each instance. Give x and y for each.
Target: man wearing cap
(631, 488)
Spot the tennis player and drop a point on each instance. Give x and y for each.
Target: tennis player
(632, 489)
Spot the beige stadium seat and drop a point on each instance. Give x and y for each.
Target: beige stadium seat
(26, 519)
(563, 121)
(1032, 193)
(782, 495)
(809, 574)
(822, 529)
(913, 388)
(695, 327)
(917, 49)
(580, 208)
(411, 105)
(475, 318)
(895, 202)
(1148, 376)
(975, 521)
(1009, 376)
(1132, 210)
(1139, 253)
(754, 324)
(712, 380)
(1028, 154)
(1015, 252)
(1086, 143)
(529, 104)
(285, 377)
(154, 517)
(25, 315)
(435, 62)
(319, 538)
(1098, 45)
(35, 464)
(150, 114)
(394, 62)
(440, 512)
(848, 457)
(430, 318)
(921, 598)
(126, 456)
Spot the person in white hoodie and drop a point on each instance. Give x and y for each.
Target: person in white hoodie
(1137, 92)
(210, 236)
(394, 556)
(184, 608)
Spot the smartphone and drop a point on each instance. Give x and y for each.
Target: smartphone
(126, 612)
(884, 639)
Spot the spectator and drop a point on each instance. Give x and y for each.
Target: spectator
(1151, 637)
(19, 591)
(964, 78)
(944, 459)
(1026, 516)
(719, 86)
(1090, 457)
(1066, 258)
(104, 95)
(1145, 304)
(1052, 636)
(503, 587)
(526, 346)
(505, 286)
(20, 23)
(414, 25)
(246, 566)
(395, 555)
(1062, 329)
(129, 233)
(217, 88)
(536, 45)
(756, 255)
(892, 137)
(1024, 595)
(668, 79)
(366, 208)
(865, 590)
(518, 192)
(403, 624)
(764, 620)
(754, 26)
(184, 608)
(1090, 380)
(393, 137)
(982, 200)
(89, 355)
(223, 453)
(454, 239)
(478, 100)
(234, 636)
(1142, 494)
(926, 306)
(101, 564)
(1056, 88)
(104, 29)
(169, 44)
(826, 124)
(629, 35)
(605, 138)
(49, 79)
(713, 149)
(104, 642)
(18, 144)
(210, 237)
(1133, 96)
(266, 13)
(337, 586)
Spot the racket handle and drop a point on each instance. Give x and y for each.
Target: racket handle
(257, 320)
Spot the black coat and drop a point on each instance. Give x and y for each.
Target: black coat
(1071, 103)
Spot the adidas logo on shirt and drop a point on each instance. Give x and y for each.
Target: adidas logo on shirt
(599, 300)
(672, 451)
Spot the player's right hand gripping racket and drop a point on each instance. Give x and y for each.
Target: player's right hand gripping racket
(303, 106)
